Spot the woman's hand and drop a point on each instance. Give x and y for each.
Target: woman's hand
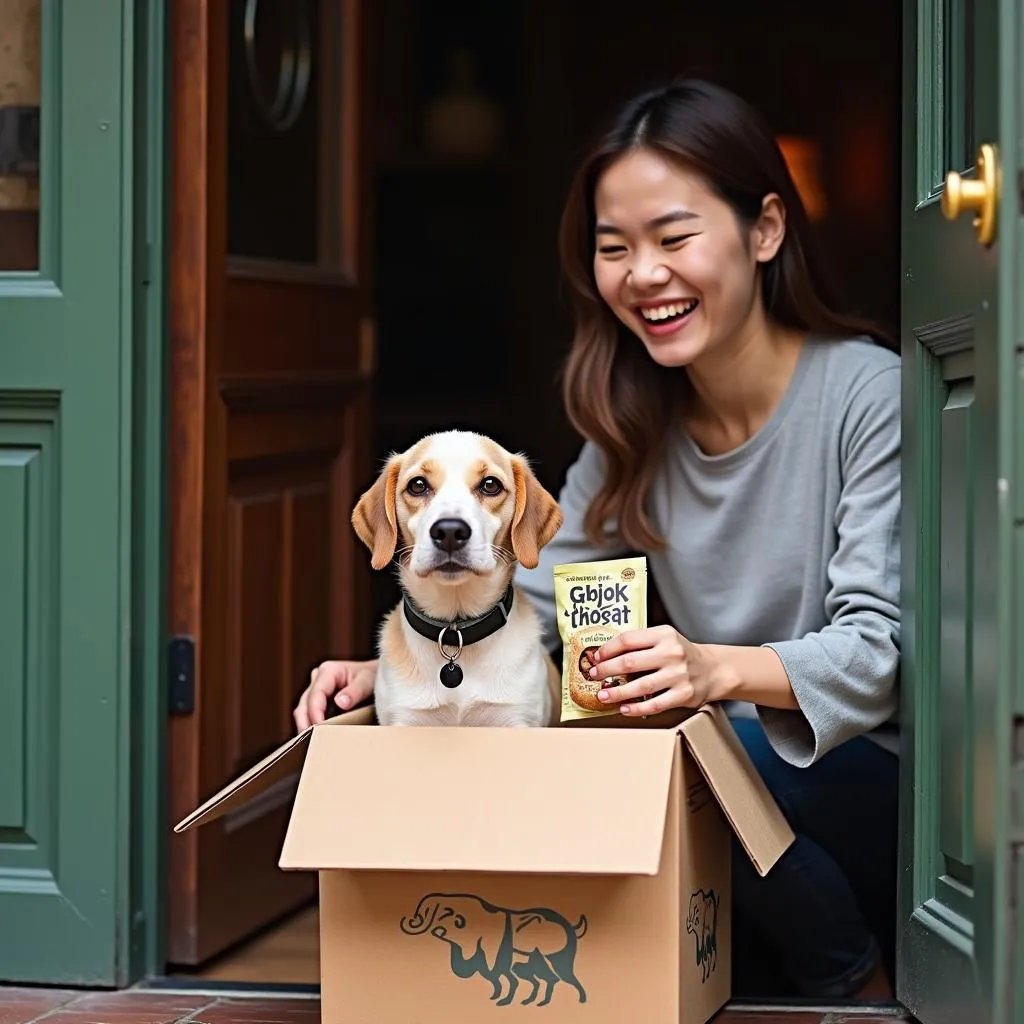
(673, 671)
(676, 673)
(349, 682)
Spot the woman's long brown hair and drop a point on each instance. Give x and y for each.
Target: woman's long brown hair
(615, 394)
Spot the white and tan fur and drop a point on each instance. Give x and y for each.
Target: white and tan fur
(509, 679)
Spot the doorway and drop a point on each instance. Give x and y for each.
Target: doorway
(465, 339)
(477, 114)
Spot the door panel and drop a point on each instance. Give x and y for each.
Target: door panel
(272, 365)
(959, 329)
(65, 487)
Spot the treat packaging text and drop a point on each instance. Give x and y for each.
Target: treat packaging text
(594, 602)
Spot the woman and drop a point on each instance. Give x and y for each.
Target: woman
(746, 436)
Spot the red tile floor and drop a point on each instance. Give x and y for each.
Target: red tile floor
(28, 1006)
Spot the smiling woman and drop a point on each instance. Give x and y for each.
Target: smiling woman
(744, 434)
(687, 201)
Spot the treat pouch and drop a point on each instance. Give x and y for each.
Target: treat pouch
(594, 602)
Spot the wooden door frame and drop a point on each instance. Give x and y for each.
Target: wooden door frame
(196, 125)
(146, 719)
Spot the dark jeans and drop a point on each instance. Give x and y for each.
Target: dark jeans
(818, 924)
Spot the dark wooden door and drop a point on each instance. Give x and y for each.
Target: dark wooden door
(272, 351)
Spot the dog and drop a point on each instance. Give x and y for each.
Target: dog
(463, 646)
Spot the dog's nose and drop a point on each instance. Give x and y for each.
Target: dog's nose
(450, 534)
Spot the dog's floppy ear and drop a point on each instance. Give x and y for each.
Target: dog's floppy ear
(537, 518)
(375, 517)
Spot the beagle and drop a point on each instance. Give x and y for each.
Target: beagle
(463, 646)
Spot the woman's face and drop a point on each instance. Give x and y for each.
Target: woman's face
(672, 260)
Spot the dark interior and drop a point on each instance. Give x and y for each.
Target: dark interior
(473, 327)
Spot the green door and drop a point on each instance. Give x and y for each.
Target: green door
(964, 497)
(65, 479)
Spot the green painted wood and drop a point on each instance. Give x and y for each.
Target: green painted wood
(66, 428)
(1016, 997)
(19, 473)
(997, 670)
(955, 662)
(960, 406)
(144, 802)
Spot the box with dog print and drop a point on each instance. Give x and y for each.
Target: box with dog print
(493, 858)
(578, 874)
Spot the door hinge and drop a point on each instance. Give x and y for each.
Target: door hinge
(181, 675)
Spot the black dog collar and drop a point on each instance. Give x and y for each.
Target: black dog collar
(459, 633)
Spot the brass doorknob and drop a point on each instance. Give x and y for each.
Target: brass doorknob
(978, 195)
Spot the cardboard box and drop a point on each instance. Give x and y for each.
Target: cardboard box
(570, 874)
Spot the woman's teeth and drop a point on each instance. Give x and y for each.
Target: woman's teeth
(675, 309)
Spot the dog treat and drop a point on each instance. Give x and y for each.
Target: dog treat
(594, 602)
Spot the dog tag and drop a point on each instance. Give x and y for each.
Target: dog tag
(451, 675)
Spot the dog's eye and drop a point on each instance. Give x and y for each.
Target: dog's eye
(417, 486)
(491, 485)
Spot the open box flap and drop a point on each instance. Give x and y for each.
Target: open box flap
(284, 761)
(751, 810)
(545, 801)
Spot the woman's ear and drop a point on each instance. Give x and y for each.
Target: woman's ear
(537, 517)
(770, 229)
(375, 517)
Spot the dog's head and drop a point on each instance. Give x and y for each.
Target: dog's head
(456, 507)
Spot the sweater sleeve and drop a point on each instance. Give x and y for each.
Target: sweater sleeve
(844, 675)
(570, 544)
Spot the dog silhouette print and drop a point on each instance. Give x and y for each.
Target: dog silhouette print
(505, 947)
(702, 924)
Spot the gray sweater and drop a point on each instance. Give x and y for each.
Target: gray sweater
(791, 541)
